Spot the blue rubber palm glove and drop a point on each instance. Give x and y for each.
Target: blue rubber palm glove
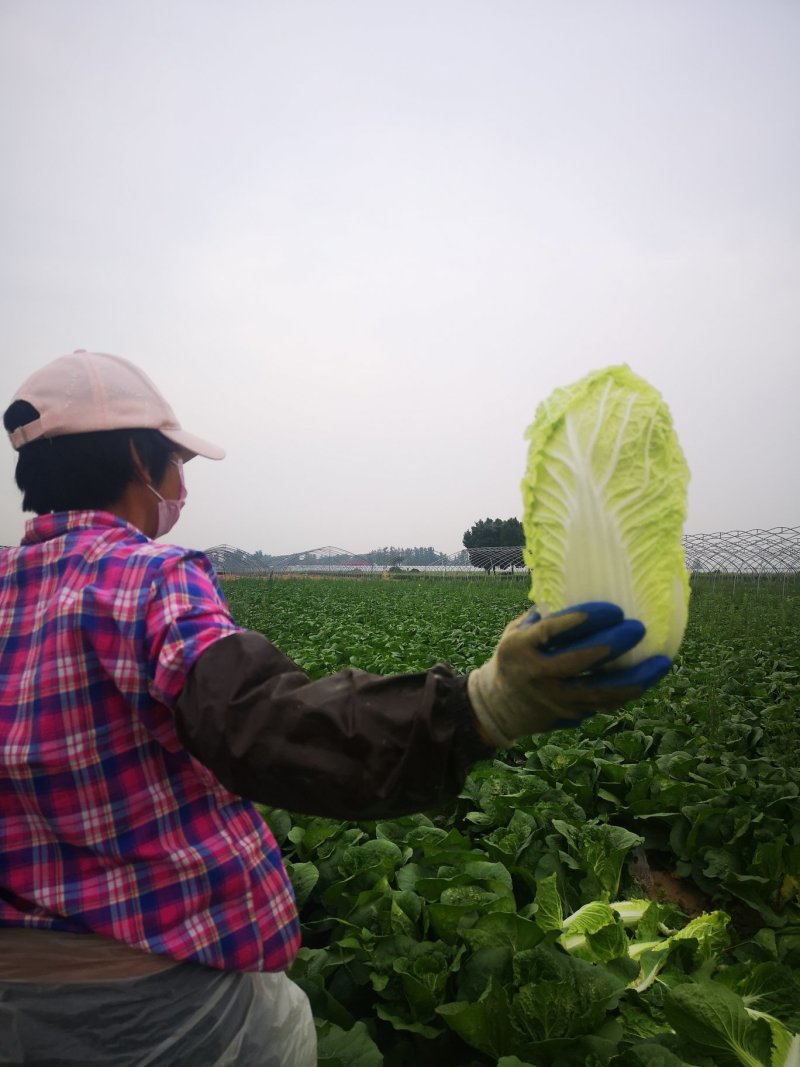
(549, 673)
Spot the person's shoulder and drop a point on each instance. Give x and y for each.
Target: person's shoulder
(156, 550)
(190, 564)
(159, 560)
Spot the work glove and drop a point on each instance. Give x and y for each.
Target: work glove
(546, 673)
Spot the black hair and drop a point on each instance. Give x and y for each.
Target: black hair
(80, 471)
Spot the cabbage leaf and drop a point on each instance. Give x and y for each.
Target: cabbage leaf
(604, 506)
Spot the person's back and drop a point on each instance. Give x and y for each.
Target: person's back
(110, 825)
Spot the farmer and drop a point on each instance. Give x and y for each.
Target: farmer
(145, 913)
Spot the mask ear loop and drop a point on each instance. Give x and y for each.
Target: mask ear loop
(179, 464)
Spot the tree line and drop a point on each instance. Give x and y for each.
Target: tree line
(486, 545)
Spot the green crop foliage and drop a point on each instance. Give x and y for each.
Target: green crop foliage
(450, 937)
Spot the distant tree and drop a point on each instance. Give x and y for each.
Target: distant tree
(494, 533)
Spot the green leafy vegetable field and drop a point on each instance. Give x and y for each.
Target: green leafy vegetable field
(624, 895)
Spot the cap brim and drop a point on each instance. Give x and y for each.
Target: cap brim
(197, 446)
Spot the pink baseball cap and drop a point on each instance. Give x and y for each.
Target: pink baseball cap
(90, 391)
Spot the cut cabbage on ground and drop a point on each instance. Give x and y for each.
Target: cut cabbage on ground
(604, 506)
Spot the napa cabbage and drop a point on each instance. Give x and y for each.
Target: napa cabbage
(604, 498)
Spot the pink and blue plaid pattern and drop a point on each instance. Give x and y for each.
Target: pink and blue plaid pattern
(107, 823)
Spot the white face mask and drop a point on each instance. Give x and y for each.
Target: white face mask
(169, 510)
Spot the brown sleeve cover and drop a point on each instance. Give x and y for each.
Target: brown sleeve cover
(350, 746)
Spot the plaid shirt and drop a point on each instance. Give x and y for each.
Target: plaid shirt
(107, 823)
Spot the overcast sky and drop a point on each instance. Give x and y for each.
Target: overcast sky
(357, 242)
